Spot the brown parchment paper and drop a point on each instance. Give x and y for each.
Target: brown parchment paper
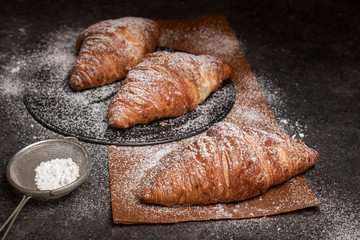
(132, 167)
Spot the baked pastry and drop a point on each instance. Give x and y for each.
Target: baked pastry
(110, 48)
(165, 85)
(228, 164)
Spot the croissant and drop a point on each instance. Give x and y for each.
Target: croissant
(110, 48)
(228, 164)
(165, 85)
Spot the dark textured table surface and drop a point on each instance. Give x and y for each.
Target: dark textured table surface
(306, 57)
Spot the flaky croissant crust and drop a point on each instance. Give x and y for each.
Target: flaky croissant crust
(229, 164)
(110, 48)
(164, 85)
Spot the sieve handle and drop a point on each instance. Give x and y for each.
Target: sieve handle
(13, 216)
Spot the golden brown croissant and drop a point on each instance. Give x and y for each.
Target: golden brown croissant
(110, 48)
(228, 164)
(165, 85)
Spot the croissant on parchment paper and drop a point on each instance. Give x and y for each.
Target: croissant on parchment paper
(228, 164)
(110, 48)
(165, 85)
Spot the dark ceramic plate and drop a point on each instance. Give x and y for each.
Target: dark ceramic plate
(83, 114)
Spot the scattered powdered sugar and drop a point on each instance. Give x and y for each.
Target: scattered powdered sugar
(276, 98)
(56, 173)
(142, 166)
(9, 79)
(214, 40)
(59, 52)
(15, 69)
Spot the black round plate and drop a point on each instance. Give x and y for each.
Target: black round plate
(83, 114)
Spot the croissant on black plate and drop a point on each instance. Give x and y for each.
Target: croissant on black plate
(110, 48)
(165, 85)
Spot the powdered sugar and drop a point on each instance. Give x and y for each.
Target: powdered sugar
(150, 158)
(277, 99)
(56, 173)
(214, 40)
(60, 53)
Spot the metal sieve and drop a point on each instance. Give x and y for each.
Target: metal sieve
(20, 171)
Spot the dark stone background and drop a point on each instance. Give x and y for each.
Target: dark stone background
(307, 50)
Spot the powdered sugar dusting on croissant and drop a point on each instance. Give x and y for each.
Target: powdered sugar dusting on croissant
(110, 48)
(166, 84)
(229, 164)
